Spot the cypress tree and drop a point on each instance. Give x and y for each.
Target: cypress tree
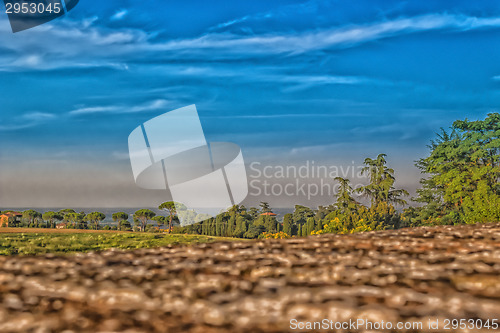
(219, 225)
(310, 225)
(304, 230)
(270, 224)
(287, 224)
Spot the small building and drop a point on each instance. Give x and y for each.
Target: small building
(61, 225)
(268, 214)
(4, 218)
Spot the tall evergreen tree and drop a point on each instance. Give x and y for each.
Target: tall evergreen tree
(381, 189)
(344, 199)
(464, 172)
(270, 224)
(310, 225)
(287, 224)
(265, 208)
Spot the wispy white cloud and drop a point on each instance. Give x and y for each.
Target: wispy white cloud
(26, 120)
(280, 13)
(119, 15)
(30, 61)
(94, 109)
(68, 44)
(83, 43)
(38, 116)
(33, 119)
(347, 36)
(276, 116)
(230, 23)
(265, 74)
(149, 106)
(300, 82)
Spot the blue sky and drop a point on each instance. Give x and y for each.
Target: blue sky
(289, 81)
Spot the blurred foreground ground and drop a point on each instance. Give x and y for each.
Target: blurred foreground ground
(409, 275)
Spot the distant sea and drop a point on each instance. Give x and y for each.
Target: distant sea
(130, 211)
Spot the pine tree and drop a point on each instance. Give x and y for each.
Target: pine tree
(464, 171)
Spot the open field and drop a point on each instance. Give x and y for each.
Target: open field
(70, 241)
(54, 231)
(404, 276)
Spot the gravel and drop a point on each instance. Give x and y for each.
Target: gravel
(408, 275)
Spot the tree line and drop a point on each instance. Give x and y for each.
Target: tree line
(70, 219)
(343, 216)
(461, 185)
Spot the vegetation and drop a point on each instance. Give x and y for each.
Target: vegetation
(344, 216)
(463, 175)
(461, 186)
(33, 243)
(278, 235)
(51, 218)
(170, 208)
(122, 219)
(142, 217)
(94, 219)
(31, 217)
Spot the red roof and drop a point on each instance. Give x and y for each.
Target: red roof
(9, 214)
(268, 214)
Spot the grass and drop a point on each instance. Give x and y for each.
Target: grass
(52, 231)
(52, 242)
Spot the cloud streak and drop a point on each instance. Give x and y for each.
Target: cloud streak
(33, 119)
(118, 109)
(119, 15)
(27, 120)
(340, 37)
